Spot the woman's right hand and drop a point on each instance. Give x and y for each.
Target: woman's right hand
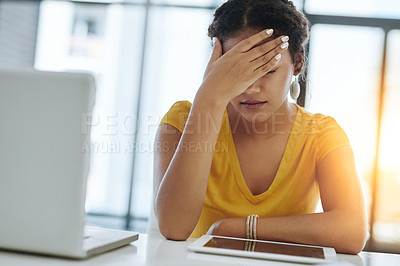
(229, 75)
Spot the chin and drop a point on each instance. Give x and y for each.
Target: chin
(256, 117)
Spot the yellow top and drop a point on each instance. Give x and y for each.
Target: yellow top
(294, 190)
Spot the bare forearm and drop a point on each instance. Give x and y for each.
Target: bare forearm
(181, 193)
(332, 229)
(343, 232)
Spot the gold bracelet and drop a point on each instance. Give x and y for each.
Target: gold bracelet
(251, 226)
(255, 226)
(248, 227)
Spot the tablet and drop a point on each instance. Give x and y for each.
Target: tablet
(261, 249)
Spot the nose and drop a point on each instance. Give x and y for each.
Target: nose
(252, 89)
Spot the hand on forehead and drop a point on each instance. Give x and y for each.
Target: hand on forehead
(240, 36)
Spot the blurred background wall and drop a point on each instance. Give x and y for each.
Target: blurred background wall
(18, 30)
(147, 54)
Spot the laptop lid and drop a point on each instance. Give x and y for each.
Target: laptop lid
(43, 167)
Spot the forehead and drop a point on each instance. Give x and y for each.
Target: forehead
(240, 36)
(231, 42)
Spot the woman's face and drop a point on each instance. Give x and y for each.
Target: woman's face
(268, 95)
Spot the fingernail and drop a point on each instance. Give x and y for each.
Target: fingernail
(270, 31)
(285, 38)
(278, 56)
(284, 45)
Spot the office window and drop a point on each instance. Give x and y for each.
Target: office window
(189, 2)
(17, 40)
(177, 54)
(345, 81)
(107, 41)
(360, 8)
(297, 3)
(387, 221)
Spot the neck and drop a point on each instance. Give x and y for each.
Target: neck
(277, 123)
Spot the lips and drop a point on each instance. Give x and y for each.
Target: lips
(252, 104)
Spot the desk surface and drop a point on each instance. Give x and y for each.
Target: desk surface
(154, 250)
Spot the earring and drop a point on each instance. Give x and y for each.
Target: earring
(295, 89)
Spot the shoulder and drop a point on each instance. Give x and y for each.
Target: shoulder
(182, 104)
(180, 107)
(317, 123)
(328, 134)
(177, 115)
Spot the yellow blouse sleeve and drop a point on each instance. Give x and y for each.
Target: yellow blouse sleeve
(330, 136)
(177, 115)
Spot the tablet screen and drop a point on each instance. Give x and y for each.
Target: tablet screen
(276, 248)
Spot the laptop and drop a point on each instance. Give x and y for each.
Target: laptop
(44, 168)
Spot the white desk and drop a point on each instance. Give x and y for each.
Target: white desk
(155, 250)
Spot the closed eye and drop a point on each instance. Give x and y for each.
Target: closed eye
(270, 72)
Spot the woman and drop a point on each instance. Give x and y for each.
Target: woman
(243, 151)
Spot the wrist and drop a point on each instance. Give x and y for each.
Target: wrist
(233, 227)
(209, 98)
(251, 226)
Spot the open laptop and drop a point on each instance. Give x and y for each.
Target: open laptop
(43, 166)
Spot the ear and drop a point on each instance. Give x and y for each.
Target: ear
(298, 64)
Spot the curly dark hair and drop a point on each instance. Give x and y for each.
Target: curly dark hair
(235, 16)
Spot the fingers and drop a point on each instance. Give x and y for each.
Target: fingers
(269, 60)
(216, 54)
(217, 51)
(274, 55)
(268, 66)
(250, 42)
(267, 47)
